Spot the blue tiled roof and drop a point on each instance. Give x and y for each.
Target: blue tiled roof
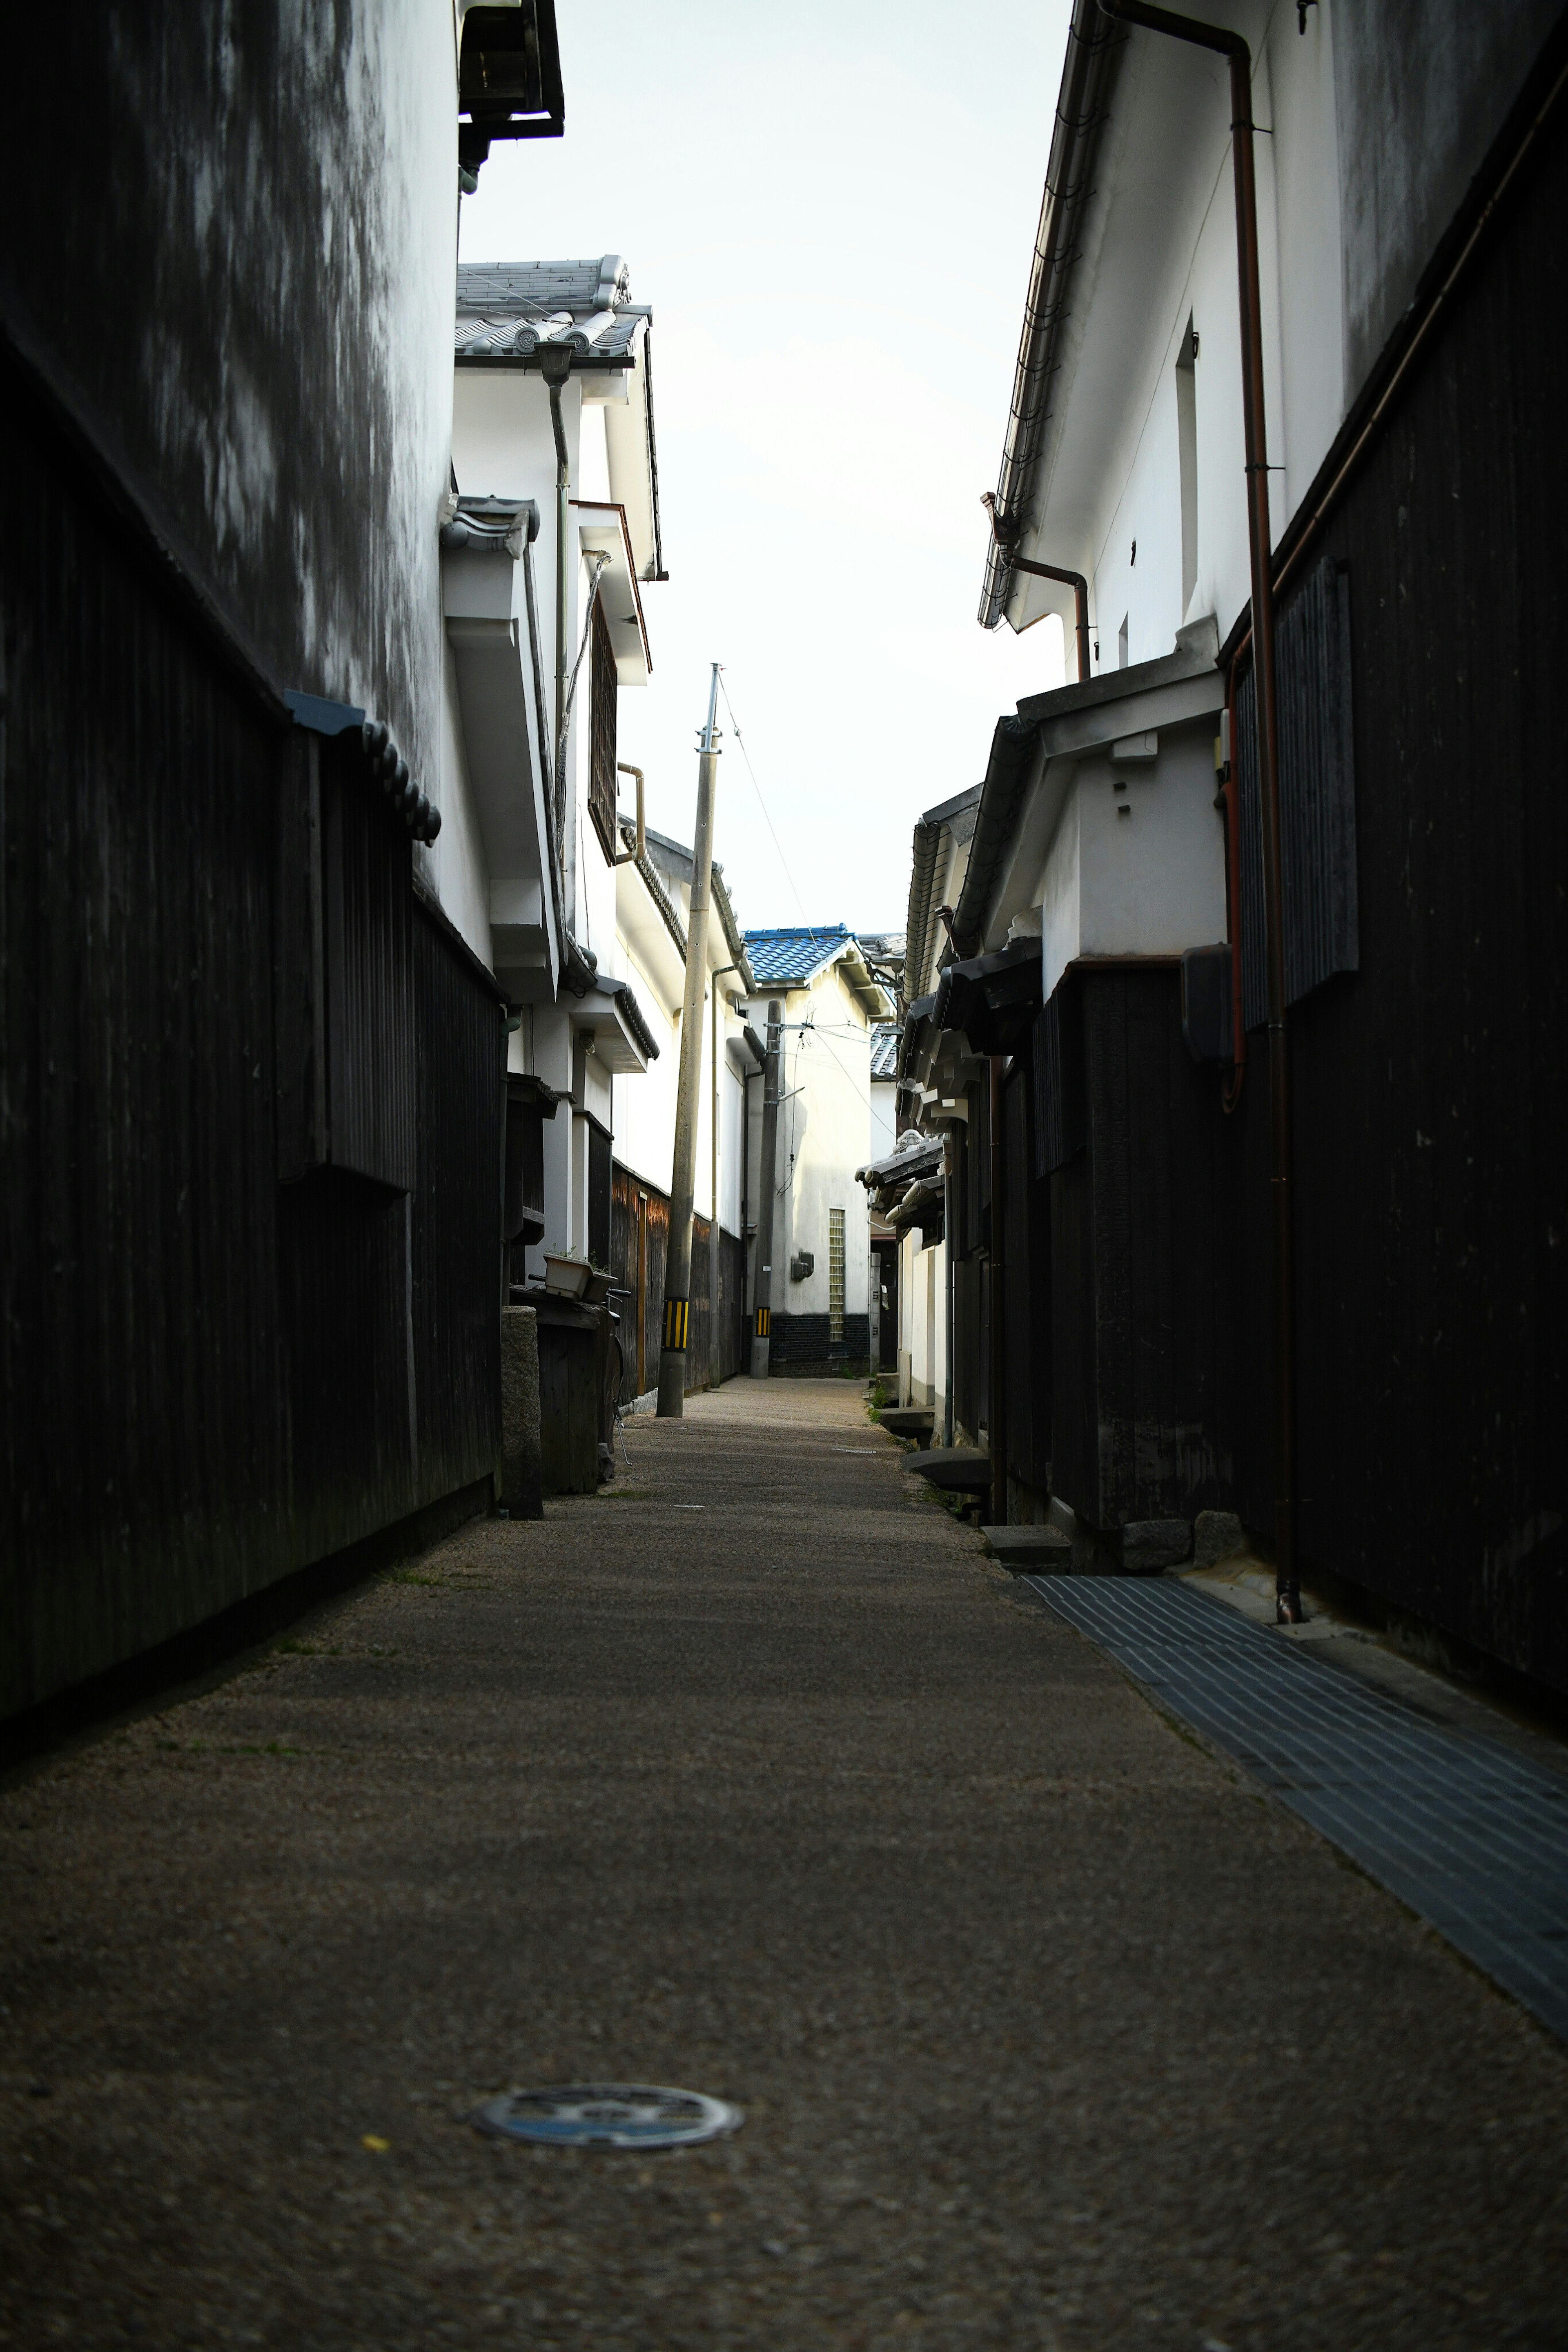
(791, 959)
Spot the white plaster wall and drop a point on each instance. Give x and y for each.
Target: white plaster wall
(1165, 250)
(1151, 882)
(922, 1320)
(731, 1172)
(454, 863)
(1060, 924)
(884, 1117)
(646, 1105)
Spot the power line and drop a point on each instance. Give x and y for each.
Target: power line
(768, 821)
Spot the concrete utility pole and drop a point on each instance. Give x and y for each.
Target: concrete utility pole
(767, 1192)
(683, 1183)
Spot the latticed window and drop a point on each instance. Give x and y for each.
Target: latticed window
(602, 749)
(835, 1278)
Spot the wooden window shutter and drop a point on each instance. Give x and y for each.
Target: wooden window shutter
(602, 756)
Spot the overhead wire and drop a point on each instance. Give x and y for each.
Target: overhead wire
(757, 788)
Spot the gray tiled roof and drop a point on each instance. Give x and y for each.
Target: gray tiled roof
(506, 309)
(884, 1050)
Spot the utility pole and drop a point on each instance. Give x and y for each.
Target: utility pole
(683, 1184)
(767, 1192)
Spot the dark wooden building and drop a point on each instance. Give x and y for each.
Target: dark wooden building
(1425, 827)
(251, 1080)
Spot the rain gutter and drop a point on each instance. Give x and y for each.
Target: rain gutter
(1081, 106)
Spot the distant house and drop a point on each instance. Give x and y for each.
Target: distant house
(883, 1238)
(552, 532)
(830, 1003)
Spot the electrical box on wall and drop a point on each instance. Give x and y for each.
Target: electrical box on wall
(800, 1266)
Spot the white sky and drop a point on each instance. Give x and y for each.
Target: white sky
(832, 210)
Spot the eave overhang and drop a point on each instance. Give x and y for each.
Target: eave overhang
(479, 589)
(609, 1014)
(602, 530)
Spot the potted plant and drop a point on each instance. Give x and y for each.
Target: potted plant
(566, 1276)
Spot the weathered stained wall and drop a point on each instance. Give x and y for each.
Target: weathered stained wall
(232, 227)
(1431, 1126)
(1421, 89)
(209, 1379)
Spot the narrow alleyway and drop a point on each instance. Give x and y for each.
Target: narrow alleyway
(754, 1776)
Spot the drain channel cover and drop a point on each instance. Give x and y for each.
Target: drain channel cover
(610, 2115)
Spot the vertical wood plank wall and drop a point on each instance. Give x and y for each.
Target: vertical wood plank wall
(208, 1379)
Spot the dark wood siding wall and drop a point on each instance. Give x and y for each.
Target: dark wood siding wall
(1430, 1113)
(1430, 1109)
(208, 1378)
(1027, 1331)
(731, 1356)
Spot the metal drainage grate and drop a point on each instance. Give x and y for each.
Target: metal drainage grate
(1471, 1835)
(610, 2115)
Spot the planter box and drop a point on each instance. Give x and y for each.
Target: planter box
(566, 1278)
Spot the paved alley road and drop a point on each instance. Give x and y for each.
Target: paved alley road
(1050, 2030)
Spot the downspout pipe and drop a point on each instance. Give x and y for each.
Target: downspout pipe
(949, 1319)
(997, 1404)
(1005, 533)
(715, 1032)
(767, 1192)
(635, 856)
(1234, 50)
(555, 366)
(1079, 587)
(541, 726)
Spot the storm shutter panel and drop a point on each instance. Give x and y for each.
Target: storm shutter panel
(1317, 798)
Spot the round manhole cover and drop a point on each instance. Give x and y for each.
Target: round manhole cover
(610, 2115)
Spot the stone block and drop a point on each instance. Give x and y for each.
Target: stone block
(522, 1488)
(1149, 1546)
(1216, 1536)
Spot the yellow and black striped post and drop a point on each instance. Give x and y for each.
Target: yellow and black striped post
(764, 1314)
(677, 1321)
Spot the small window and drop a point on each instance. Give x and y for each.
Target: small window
(835, 1278)
(601, 754)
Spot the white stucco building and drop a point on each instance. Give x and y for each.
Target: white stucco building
(830, 1003)
(552, 535)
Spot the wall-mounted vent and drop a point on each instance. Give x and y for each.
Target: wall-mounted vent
(1317, 798)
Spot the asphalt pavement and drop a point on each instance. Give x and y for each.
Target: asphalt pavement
(750, 1775)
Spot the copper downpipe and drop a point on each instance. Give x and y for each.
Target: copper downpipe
(1234, 50)
(1005, 533)
(996, 1403)
(1231, 1093)
(1079, 587)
